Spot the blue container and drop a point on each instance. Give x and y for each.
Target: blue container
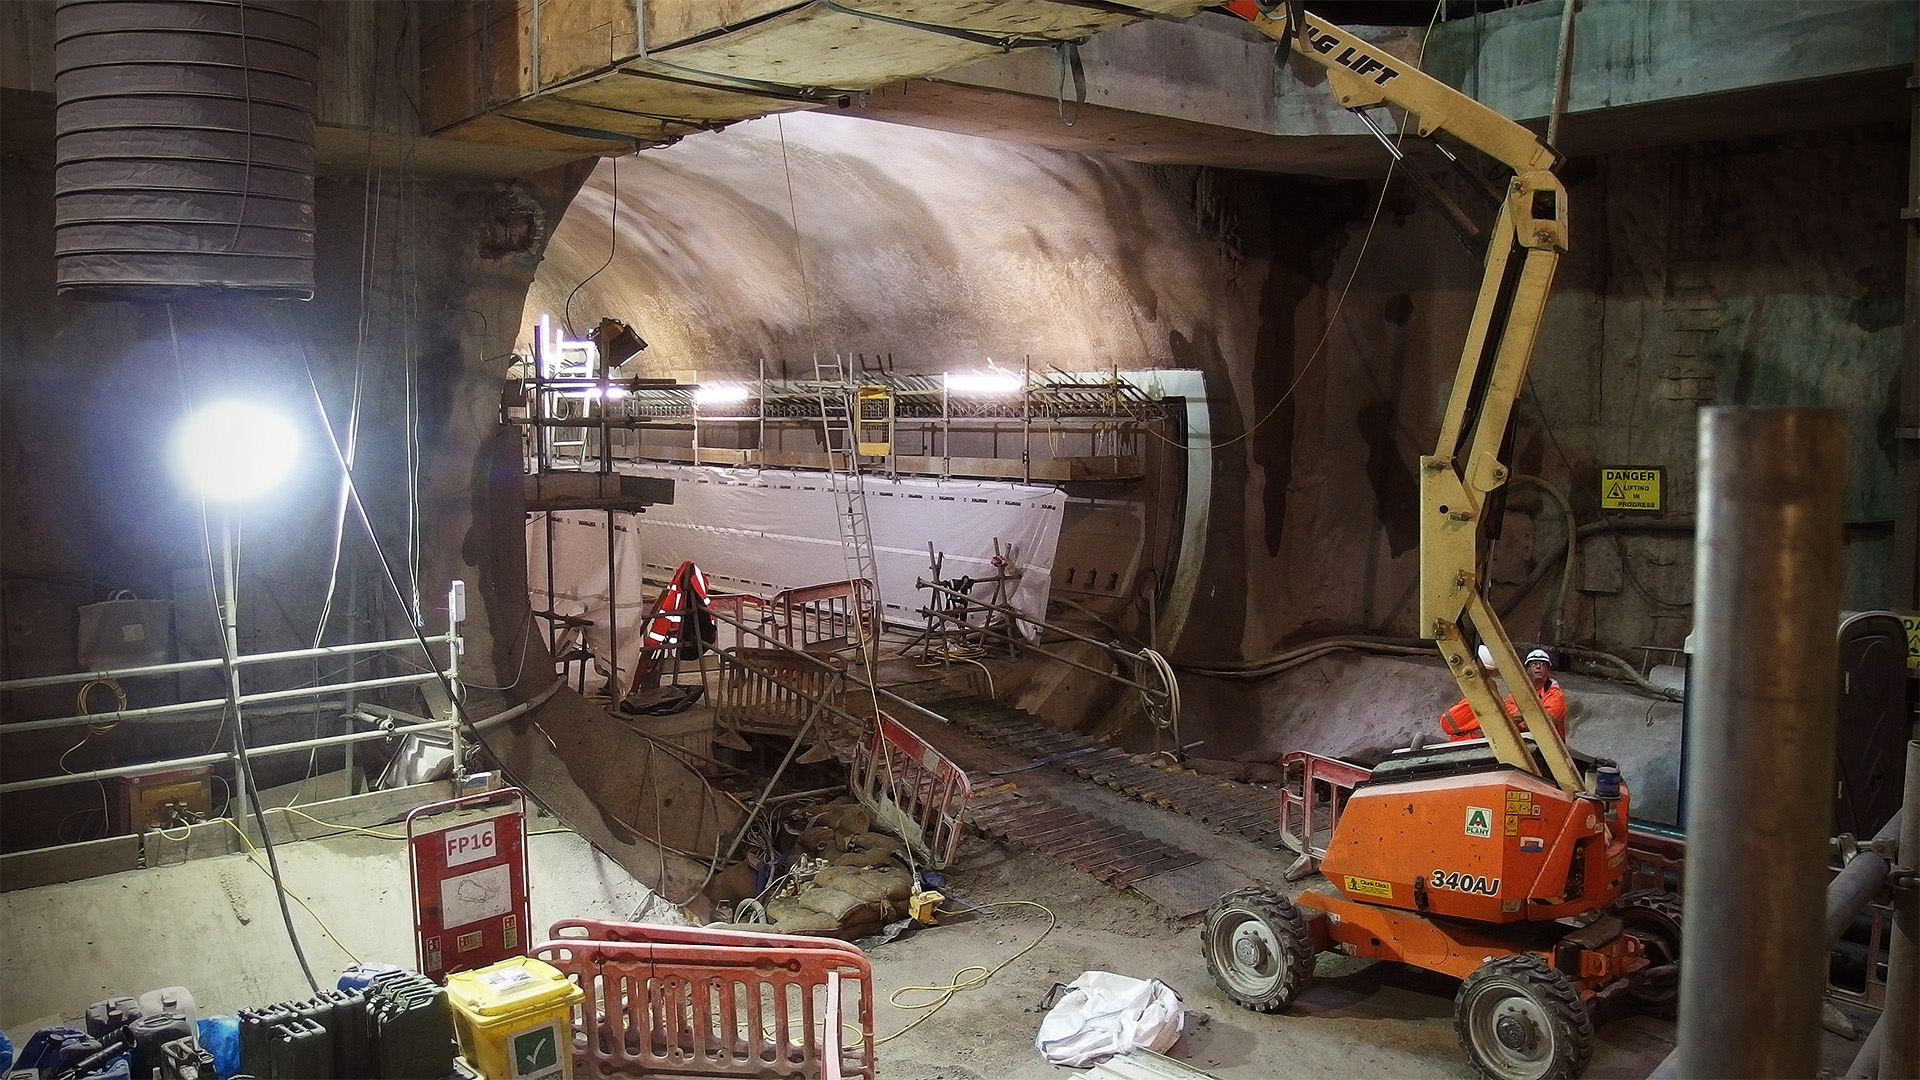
(360, 976)
(1607, 782)
(43, 1052)
(220, 1036)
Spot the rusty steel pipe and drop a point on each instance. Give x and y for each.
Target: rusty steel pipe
(1767, 580)
(1853, 887)
(1900, 1012)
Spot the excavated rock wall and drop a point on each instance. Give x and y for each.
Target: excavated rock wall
(1326, 317)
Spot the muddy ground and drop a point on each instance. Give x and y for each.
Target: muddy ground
(1357, 1019)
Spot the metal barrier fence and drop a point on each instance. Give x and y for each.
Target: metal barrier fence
(1309, 812)
(769, 691)
(685, 1001)
(347, 690)
(913, 788)
(832, 617)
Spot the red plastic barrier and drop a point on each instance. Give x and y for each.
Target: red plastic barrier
(682, 1001)
(662, 934)
(913, 789)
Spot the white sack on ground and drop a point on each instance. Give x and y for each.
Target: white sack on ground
(762, 531)
(1103, 1014)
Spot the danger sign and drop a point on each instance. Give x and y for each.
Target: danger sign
(1630, 489)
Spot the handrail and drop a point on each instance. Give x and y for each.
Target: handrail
(448, 674)
(207, 665)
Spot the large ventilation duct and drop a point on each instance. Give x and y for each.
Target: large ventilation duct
(184, 137)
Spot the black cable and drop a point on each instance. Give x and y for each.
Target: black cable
(1619, 543)
(266, 832)
(227, 648)
(613, 244)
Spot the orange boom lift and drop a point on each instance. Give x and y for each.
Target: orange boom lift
(1500, 862)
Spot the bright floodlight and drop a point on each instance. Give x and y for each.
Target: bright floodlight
(993, 381)
(232, 450)
(720, 393)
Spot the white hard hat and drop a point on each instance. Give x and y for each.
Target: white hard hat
(1486, 657)
(1541, 656)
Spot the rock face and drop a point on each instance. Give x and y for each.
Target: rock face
(1325, 318)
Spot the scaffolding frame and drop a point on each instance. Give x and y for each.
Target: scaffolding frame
(579, 418)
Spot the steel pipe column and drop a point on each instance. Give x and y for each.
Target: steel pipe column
(1760, 748)
(1900, 1012)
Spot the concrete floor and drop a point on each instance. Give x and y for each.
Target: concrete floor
(212, 925)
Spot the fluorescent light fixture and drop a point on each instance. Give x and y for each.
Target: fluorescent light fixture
(232, 450)
(993, 381)
(720, 393)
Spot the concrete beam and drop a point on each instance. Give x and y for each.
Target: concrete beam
(1207, 91)
(1635, 52)
(1649, 74)
(594, 491)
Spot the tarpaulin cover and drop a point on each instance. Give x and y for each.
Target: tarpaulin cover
(184, 146)
(1103, 1014)
(762, 531)
(579, 583)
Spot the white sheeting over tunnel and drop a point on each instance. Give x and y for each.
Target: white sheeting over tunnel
(762, 531)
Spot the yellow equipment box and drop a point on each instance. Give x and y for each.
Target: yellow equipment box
(514, 1019)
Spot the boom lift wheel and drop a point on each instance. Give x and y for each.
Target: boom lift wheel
(1257, 948)
(1520, 1019)
(1653, 916)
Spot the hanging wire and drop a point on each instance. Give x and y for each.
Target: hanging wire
(613, 245)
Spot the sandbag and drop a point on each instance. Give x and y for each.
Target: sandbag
(893, 883)
(1102, 1014)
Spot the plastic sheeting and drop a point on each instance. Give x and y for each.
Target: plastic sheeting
(762, 531)
(580, 578)
(1103, 1014)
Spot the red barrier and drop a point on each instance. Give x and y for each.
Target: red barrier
(1309, 811)
(684, 1001)
(912, 789)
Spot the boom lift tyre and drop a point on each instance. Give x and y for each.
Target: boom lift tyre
(1519, 1019)
(1653, 916)
(1258, 949)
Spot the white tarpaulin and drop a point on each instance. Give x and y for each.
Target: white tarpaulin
(1103, 1014)
(762, 531)
(579, 583)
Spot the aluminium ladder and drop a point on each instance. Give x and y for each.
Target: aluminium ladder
(839, 435)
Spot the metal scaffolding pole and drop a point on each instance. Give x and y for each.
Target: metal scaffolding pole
(1767, 591)
(1900, 1012)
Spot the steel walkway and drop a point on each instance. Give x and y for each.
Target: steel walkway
(1250, 810)
(1004, 810)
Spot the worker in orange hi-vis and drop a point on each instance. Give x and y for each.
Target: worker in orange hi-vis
(1460, 722)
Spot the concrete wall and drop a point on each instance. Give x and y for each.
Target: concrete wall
(419, 283)
(94, 390)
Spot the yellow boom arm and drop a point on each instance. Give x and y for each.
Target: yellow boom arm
(1464, 469)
